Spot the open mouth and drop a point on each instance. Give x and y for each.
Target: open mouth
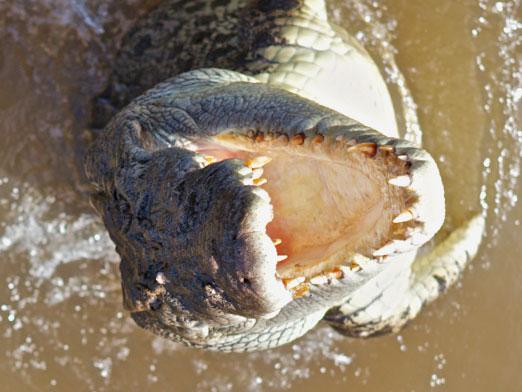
(337, 197)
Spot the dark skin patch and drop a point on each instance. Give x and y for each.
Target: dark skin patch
(143, 44)
(275, 5)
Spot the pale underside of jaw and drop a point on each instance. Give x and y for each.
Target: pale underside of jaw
(333, 200)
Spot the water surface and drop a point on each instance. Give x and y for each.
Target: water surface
(62, 325)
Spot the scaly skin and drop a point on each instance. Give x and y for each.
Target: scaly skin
(197, 265)
(286, 43)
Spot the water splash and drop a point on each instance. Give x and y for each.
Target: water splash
(500, 23)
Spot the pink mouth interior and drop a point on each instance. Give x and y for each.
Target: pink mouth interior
(327, 205)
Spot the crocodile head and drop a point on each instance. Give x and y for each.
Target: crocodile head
(227, 201)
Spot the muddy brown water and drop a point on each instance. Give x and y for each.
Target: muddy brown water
(62, 326)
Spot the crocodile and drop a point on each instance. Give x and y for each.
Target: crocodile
(252, 176)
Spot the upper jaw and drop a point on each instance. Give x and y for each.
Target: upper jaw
(202, 224)
(411, 170)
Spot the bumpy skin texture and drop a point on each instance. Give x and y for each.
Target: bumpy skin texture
(289, 44)
(197, 266)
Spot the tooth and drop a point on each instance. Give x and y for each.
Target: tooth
(369, 149)
(161, 278)
(384, 251)
(277, 241)
(345, 270)
(298, 139)
(402, 157)
(262, 194)
(401, 181)
(281, 258)
(354, 265)
(244, 171)
(381, 252)
(210, 159)
(386, 148)
(318, 139)
(282, 139)
(257, 162)
(336, 273)
(260, 137)
(291, 283)
(251, 133)
(260, 181)
(319, 279)
(387, 249)
(257, 173)
(301, 290)
(392, 247)
(404, 216)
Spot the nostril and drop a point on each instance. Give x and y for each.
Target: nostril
(207, 283)
(155, 304)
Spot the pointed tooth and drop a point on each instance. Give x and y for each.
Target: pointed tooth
(210, 159)
(385, 250)
(354, 265)
(262, 194)
(282, 139)
(318, 139)
(392, 247)
(280, 258)
(301, 290)
(402, 181)
(298, 139)
(336, 273)
(404, 216)
(370, 149)
(291, 283)
(245, 171)
(260, 181)
(386, 148)
(381, 252)
(258, 162)
(345, 270)
(318, 280)
(257, 173)
(277, 241)
(260, 137)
